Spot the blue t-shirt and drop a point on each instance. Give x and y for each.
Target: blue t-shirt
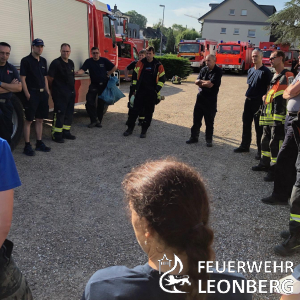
(142, 282)
(258, 82)
(9, 177)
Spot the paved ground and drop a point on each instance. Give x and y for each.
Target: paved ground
(69, 219)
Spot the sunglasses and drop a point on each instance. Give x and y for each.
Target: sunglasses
(271, 58)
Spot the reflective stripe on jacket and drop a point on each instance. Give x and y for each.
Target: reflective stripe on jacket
(274, 110)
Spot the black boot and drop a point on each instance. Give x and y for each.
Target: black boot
(58, 137)
(67, 135)
(128, 131)
(241, 149)
(269, 177)
(289, 246)
(192, 140)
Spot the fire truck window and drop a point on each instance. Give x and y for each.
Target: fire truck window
(207, 47)
(124, 50)
(106, 26)
(266, 54)
(194, 48)
(135, 54)
(288, 55)
(202, 47)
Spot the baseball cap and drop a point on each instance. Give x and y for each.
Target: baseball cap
(290, 285)
(38, 42)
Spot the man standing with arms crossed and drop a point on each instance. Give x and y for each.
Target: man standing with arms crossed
(61, 79)
(9, 83)
(33, 75)
(209, 81)
(258, 80)
(100, 68)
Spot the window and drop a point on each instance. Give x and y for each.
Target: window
(135, 54)
(244, 12)
(124, 50)
(251, 33)
(232, 12)
(106, 26)
(223, 30)
(236, 31)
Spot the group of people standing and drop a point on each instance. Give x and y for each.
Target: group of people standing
(273, 102)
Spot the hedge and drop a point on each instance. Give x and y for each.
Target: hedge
(174, 65)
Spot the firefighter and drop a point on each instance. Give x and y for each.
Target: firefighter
(258, 80)
(209, 81)
(100, 68)
(33, 75)
(273, 116)
(148, 78)
(61, 80)
(9, 84)
(131, 66)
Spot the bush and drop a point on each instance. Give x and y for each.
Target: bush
(174, 65)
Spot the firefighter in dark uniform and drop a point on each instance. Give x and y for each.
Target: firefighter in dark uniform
(209, 81)
(100, 68)
(131, 66)
(33, 74)
(273, 116)
(9, 84)
(61, 78)
(147, 79)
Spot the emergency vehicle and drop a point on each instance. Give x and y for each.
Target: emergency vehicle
(128, 51)
(235, 56)
(80, 23)
(269, 47)
(196, 50)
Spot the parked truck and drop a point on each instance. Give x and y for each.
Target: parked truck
(269, 47)
(196, 50)
(235, 56)
(80, 23)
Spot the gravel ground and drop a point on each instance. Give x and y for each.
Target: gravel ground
(69, 218)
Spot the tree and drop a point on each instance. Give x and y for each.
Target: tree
(155, 43)
(170, 42)
(284, 25)
(137, 18)
(189, 34)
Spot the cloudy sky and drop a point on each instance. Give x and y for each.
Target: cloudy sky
(175, 10)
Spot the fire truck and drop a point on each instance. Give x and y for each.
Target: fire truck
(196, 50)
(269, 47)
(235, 56)
(128, 50)
(80, 23)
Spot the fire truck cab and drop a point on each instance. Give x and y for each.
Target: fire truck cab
(234, 56)
(80, 23)
(269, 47)
(196, 50)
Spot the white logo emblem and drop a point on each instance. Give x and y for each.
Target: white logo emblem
(172, 280)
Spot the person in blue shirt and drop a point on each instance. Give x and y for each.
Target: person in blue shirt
(13, 284)
(169, 209)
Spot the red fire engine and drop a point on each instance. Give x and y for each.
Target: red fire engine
(269, 47)
(81, 23)
(234, 56)
(196, 50)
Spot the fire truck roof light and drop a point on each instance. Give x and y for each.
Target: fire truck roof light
(249, 41)
(108, 7)
(239, 42)
(181, 41)
(278, 48)
(265, 47)
(221, 41)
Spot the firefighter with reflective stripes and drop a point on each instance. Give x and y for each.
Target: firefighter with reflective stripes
(147, 79)
(61, 80)
(273, 116)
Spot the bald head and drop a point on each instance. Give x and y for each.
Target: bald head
(210, 61)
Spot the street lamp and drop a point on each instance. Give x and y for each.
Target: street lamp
(161, 34)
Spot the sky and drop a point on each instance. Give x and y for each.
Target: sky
(175, 10)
